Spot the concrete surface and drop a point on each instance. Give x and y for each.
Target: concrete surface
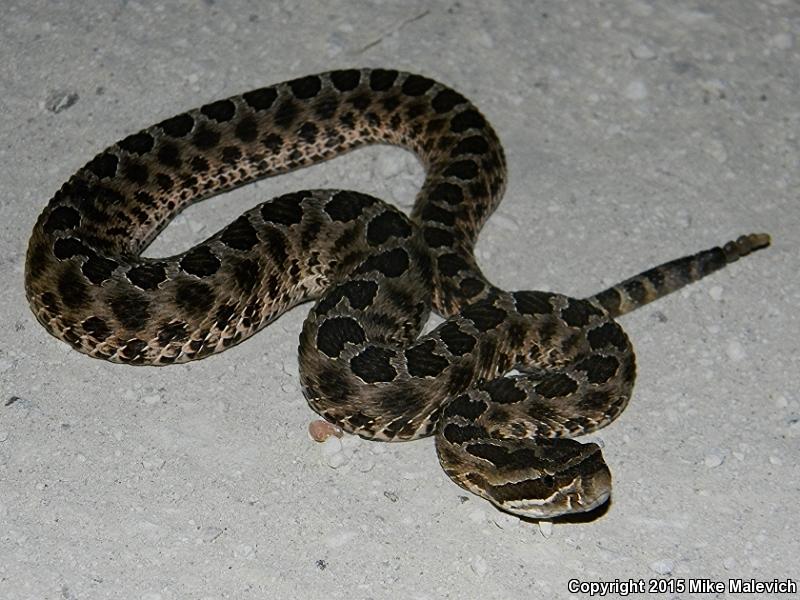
(636, 131)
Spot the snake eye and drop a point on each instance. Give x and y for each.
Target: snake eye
(549, 480)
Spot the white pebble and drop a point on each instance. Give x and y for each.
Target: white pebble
(643, 52)
(735, 351)
(729, 563)
(151, 399)
(774, 460)
(332, 453)
(714, 458)
(716, 292)
(636, 90)
(782, 41)
(209, 534)
(339, 539)
(716, 150)
(479, 566)
(662, 567)
(3, 436)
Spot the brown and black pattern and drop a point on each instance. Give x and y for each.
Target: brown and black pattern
(374, 273)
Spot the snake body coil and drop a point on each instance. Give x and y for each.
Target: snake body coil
(374, 273)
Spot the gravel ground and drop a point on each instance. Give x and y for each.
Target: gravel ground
(636, 132)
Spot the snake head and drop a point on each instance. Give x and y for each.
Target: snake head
(534, 478)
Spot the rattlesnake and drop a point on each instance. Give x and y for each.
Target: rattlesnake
(375, 275)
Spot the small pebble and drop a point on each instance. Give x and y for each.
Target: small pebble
(643, 52)
(320, 430)
(151, 399)
(716, 292)
(662, 567)
(714, 458)
(729, 563)
(735, 351)
(774, 460)
(60, 100)
(209, 534)
(479, 566)
(636, 90)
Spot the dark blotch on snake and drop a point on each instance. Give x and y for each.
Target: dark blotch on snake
(533, 303)
(598, 369)
(458, 434)
(136, 172)
(97, 328)
(285, 210)
(200, 261)
(484, 316)
(347, 206)
(73, 292)
(556, 385)
(457, 342)
(147, 275)
(177, 126)
(463, 169)
(194, 297)
(261, 99)
(246, 274)
(416, 85)
(578, 312)
(448, 192)
(503, 391)
(273, 142)
(391, 263)
(372, 365)
(446, 100)
(437, 238)
(326, 106)
(308, 132)
(246, 129)
(239, 235)
(104, 165)
(205, 138)
(451, 264)
(359, 294)
(469, 119)
(169, 155)
(98, 268)
(333, 335)
(465, 406)
(286, 114)
(608, 334)
(344, 81)
(382, 79)
(220, 111)
(385, 225)
(138, 143)
(475, 144)
(131, 309)
(231, 154)
(62, 218)
(422, 362)
(306, 87)
(431, 212)
(610, 299)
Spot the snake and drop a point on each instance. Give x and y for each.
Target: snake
(504, 383)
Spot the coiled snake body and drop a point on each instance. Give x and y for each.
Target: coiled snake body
(375, 275)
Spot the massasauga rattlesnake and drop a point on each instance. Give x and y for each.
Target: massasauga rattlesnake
(374, 273)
